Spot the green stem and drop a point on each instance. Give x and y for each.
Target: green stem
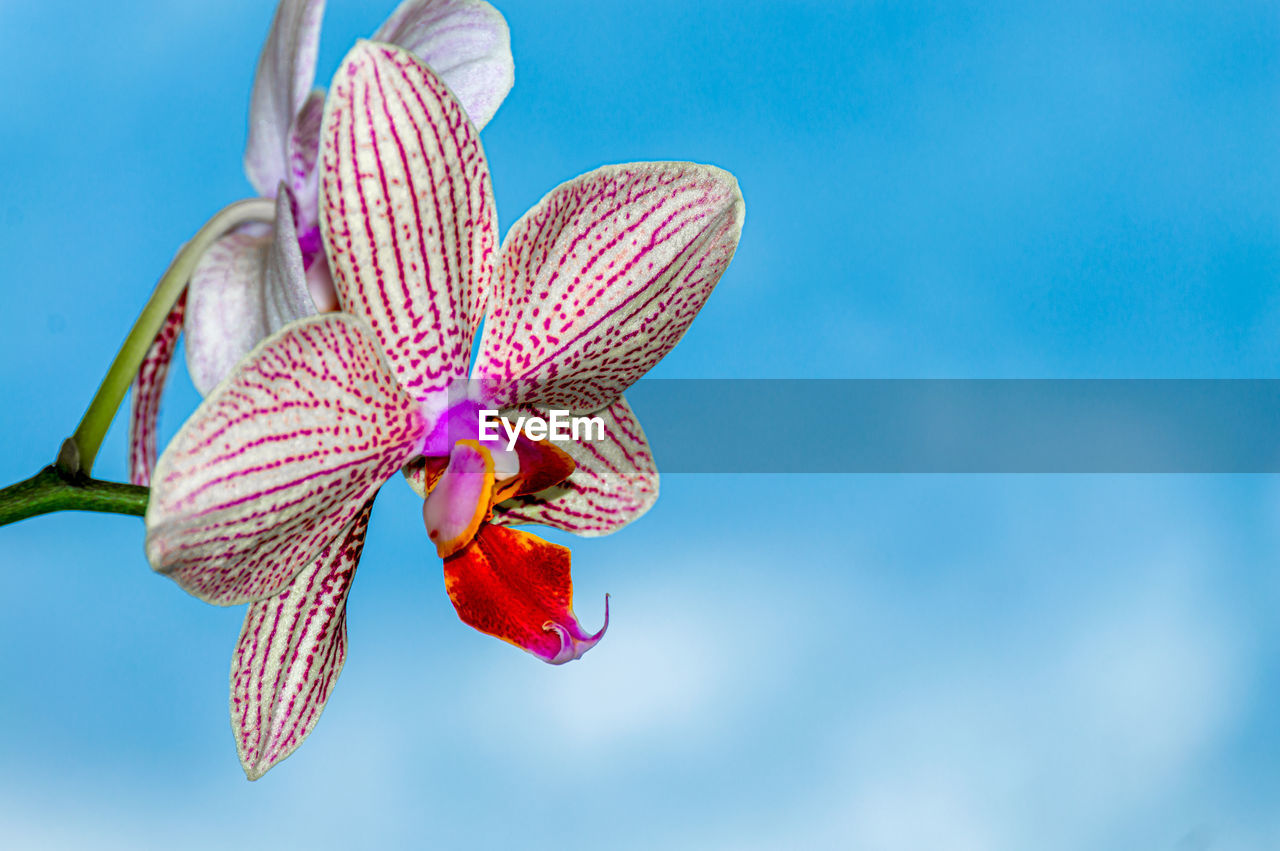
(80, 450)
(52, 490)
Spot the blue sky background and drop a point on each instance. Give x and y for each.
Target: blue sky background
(949, 189)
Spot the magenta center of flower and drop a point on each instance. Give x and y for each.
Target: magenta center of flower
(459, 421)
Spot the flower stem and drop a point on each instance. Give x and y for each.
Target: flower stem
(52, 490)
(80, 450)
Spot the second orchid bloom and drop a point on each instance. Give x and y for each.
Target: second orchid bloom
(264, 494)
(257, 279)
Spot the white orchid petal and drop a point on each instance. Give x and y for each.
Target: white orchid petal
(224, 306)
(290, 653)
(278, 460)
(286, 295)
(602, 278)
(407, 212)
(466, 42)
(615, 481)
(286, 69)
(148, 387)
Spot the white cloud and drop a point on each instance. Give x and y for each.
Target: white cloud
(662, 678)
(1066, 743)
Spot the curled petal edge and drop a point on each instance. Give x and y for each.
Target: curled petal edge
(573, 646)
(148, 388)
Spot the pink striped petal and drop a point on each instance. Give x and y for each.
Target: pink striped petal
(225, 319)
(467, 44)
(285, 292)
(602, 278)
(278, 460)
(406, 212)
(148, 387)
(290, 653)
(281, 86)
(615, 481)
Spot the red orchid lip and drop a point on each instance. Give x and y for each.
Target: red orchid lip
(517, 587)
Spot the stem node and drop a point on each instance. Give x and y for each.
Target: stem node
(68, 462)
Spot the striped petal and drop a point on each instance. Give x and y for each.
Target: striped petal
(466, 42)
(285, 292)
(278, 460)
(286, 69)
(290, 653)
(406, 212)
(602, 278)
(516, 586)
(615, 481)
(225, 318)
(148, 387)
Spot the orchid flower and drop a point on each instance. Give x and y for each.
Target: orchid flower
(265, 492)
(236, 296)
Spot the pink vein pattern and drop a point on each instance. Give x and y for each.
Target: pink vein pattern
(615, 482)
(602, 278)
(290, 653)
(406, 212)
(148, 387)
(272, 466)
